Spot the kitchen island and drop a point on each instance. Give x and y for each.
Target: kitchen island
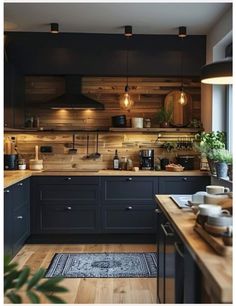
(216, 270)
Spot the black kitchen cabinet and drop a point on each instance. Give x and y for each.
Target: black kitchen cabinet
(128, 204)
(14, 96)
(64, 204)
(183, 184)
(16, 217)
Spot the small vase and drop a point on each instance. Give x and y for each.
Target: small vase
(221, 169)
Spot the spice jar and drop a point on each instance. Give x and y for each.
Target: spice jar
(147, 123)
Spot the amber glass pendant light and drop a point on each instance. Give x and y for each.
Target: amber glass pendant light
(126, 101)
(183, 100)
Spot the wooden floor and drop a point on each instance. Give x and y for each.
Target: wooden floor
(93, 290)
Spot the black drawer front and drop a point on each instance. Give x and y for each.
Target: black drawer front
(73, 194)
(130, 219)
(20, 193)
(122, 189)
(182, 185)
(66, 180)
(20, 225)
(68, 219)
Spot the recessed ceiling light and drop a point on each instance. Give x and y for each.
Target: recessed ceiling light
(54, 28)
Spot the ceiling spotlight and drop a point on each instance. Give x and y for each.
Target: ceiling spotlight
(182, 32)
(128, 31)
(54, 28)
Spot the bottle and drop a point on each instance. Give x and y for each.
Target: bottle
(116, 162)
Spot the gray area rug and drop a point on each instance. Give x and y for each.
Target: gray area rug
(103, 265)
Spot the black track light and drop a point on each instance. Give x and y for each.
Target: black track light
(182, 31)
(128, 31)
(54, 28)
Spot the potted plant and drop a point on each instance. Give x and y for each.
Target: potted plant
(222, 158)
(164, 116)
(207, 142)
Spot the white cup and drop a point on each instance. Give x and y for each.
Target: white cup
(137, 123)
(198, 197)
(209, 209)
(213, 189)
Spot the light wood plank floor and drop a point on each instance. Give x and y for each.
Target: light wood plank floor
(93, 290)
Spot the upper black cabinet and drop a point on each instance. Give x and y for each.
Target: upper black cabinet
(105, 54)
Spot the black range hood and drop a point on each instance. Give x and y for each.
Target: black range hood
(73, 98)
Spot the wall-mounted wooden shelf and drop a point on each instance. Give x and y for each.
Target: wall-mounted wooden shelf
(157, 130)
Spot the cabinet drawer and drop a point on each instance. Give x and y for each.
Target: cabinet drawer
(66, 180)
(68, 219)
(183, 184)
(122, 189)
(130, 219)
(20, 193)
(68, 194)
(20, 226)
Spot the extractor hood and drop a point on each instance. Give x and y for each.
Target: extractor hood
(73, 98)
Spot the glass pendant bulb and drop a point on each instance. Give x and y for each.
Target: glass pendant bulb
(126, 102)
(183, 98)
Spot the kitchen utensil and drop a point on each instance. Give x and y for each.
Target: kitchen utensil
(213, 189)
(73, 150)
(87, 148)
(36, 164)
(208, 209)
(95, 155)
(214, 230)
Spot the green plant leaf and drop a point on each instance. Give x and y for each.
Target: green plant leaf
(51, 288)
(22, 277)
(36, 278)
(14, 298)
(9, 280)
(33, 297)
(8, 267)
(55, 299)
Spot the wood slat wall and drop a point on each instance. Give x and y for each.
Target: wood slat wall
(128, 144)
(148, 94)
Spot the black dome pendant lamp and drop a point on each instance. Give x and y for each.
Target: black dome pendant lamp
(183, 100)
(126, 102)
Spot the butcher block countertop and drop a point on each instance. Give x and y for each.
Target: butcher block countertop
(13, 177)
(216, 269)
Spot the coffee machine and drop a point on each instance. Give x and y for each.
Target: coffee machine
(146, 159)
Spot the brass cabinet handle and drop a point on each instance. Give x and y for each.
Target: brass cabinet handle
(178, 249)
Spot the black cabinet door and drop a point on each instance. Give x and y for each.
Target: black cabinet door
(183, 184)
(128, 190)
(68, 219)
(8, 100)
(8, 222)
(128, 219)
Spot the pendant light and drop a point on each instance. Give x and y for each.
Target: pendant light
(218, 73)
(183, 97)
(126, 101)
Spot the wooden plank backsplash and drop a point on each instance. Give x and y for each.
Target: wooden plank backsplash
(148, 94)
(127, 144)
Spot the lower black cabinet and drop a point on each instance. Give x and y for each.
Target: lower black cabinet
(68, 219)
(128, 219)
(16, 217)
(183, 184)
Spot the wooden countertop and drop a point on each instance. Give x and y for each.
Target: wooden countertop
(13, 177)
(217, 270)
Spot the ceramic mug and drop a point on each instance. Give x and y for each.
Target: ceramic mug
(214, 199)
(198, 197)
(213, 189)
(204, 210)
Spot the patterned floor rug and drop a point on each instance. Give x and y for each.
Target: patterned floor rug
(103, 265)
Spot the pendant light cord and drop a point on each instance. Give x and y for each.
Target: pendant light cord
(127, 63)
(181, 61)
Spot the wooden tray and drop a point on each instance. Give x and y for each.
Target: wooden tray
(216, 243)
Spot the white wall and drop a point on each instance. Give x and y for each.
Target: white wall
(212, 97)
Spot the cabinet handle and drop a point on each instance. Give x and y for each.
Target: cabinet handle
(19, 217)
(68, 178)
(68, 208)
(129, 208)
(185, 179)
(178, 249)
(167, 230)
(129, 179)
(20, 184)
(7, 191)
(158, 211)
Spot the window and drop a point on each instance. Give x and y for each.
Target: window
(229, 117)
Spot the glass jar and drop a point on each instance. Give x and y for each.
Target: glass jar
(147, 123)
(123, 163)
